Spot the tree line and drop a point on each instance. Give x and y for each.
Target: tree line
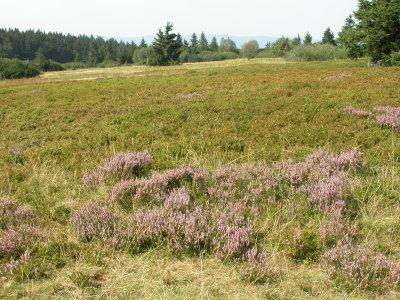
(373, 30)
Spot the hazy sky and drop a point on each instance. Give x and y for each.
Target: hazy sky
(130, 18)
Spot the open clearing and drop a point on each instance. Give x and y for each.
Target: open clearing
(204, 115)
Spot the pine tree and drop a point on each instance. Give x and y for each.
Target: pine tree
(307, 39)
(379, 27)
(40, 60)
(194, 44)
(213, 45)
(328, 37)
(296, 41)
(92, 58)
(203, 44)
(142, 44)
(109, 53)
(349, 37)
(165, 48)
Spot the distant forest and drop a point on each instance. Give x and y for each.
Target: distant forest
(63, 48)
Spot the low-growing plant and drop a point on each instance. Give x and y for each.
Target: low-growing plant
(316, 52)
(359, 267)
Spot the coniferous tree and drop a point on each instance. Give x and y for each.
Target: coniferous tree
(92, 54)
(307, 39)
(194, 44)
(296, 41)
(165, 48)
(108, 52)
(349, 37)
(203, 43)
(142, 44)
(213, 45)
(329, 37)
(40, 60)
(379, 27)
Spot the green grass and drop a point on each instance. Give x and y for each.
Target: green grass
(257, 110)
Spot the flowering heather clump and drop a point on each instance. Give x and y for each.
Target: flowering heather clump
(235, 232)
(127, 164)
(15, 264)
(96, 177)
(191, 210)
(359, 267)
(388, 120)
(389, 110)
(326, 192)
(158, 186)
(353, 111)
(391, 118)
(246, 183)
(16, 229)
(94, 221)
(122, 164)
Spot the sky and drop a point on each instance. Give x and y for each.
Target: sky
(131, 18)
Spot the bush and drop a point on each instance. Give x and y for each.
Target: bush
(52, 65)
(316, 52)
(206, 56)
(15, 68)
(393, 59)
(140, 56)
(266, 53)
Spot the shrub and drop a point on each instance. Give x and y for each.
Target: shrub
(140, 56)
(203, 56)
(15, 68)
(316, 52)
(94, 221)
(266, 53)
(393, 59)
(125, 165)
(192, 211)
(17, 234)
(359, 267)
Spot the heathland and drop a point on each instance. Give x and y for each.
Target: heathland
(242, 179)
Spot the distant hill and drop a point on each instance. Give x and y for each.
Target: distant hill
(239, 40)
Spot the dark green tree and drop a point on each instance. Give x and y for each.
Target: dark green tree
(142, 44)
(108, 52)
(329, 37)
(92, 57)
(203, 43)
(165, 48)
(350, 38)
(379, 27)
(40, 60)
(307, 39)
(213, 45)
(296, 41)
(194, 44)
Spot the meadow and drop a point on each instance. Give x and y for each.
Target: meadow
(305, 184)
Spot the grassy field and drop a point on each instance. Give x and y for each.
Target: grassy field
(204, 115)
